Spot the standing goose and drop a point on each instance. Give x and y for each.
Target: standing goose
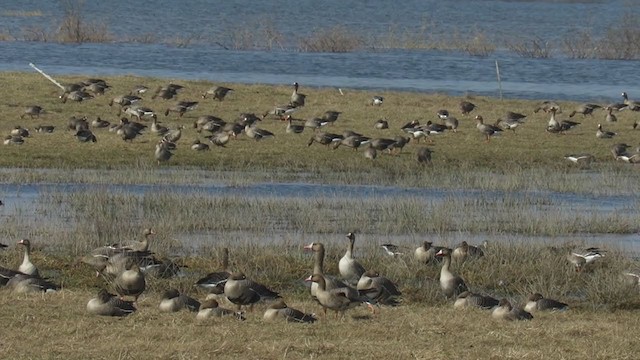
(163, 152)
(315, 123)
(174, 135)
(318, 268)
(173, 301)
(211, 309)
(378, 289)
(423, 155)
(504, 311)
(27, 266)
(280, 310)
(466, 107)
(106, 304)
(487, 129)
(242, 291)
(426, 252)
(339, 299)
(585, 109)
(631, 105)
(293, 129)
(297, 99)
(350, 269)
(32, 111)
(142, 245)
(451, 284)
(131, 281)
(610, 117)
(602, 134)
(325, 138)
(370, 152)
(213, 283)
(218, 92)
(537, 302)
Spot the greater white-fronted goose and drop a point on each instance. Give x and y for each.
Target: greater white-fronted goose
(370, 152)
(508, 124)
(585, 109)
(451, 284)
(537, 302)
(33, 111)
(582, 158)
(173, 301)
(504, 311)
(619, 149)
(400, 143)
(131, 281)
(213, 283)
(382, 144)
(464, 251)
(99, 123)
(315, 123)
(443, 114)
(293, 128)
(426, 252)
(470, 299)
(199, 146)
(280, 310)
(466, 107)
(610, 117)
(181, 107)
(548, 106)
(47, 129)
(23, 283)
(451, 123)
(165, 92)
(408, 127)
(27, 267)
(377, 100)
(139, 112)
(211, 309)
(174, 135)
(381, 124)
(6, 275)
(13, 140)
(106, 304)
(325, 138)
(78, 95)
(318, 268)
(423, 155)
(584, 258)
(297, 99)
(350, 269)
(256, 133)
(163, 152)
(142, 245)
(338, 299)
(354, 141)
(220, 138)
(139, 89)
(218, 92)
(378, 289)
(603, 134)
(20, 131)
(125, 100)
(391, 249)
(631, 105)
(487, 130)
(331, 115)
(242, 291)
(85, 135)
(281, 111)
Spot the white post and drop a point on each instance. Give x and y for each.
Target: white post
(47, 76)
(499, 81)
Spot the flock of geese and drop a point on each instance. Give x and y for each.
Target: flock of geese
(125, 269)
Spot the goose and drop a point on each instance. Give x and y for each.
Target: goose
(381, 124)
(548, 106)
(131, 281)
(354, 141)
(181, 107)
(20, 131)
(13, 140)
(163, 152)
(581, 259)
(211, 126)
(165, 92)
(256, 133)
(142, 245)
(378, 289)
(410, 126)
(196, 145)
(315, 123)
(33, 111)
(426, 252)
(619, 149)
(451, 284)
(139, 112)
(125, 100)
(325, 138)
(67, 88)
(77, 95)
(376, 100)
(338, 299)
(504, 311)
(27, 267)
(466, 107)
(331, 116)
(211, 309)
(631, 105)
(281, 111)
(280, 310)
(581, 158)
(85, 136)
(96, 88)
(293, 129)
(537, 302)
(218, 92)
(443, 114)
(508, 124)
(451, 123)
(156, 128)
(106, 304)
(318, 268)
(128, 132)
(220, 138)
(48, 129)
(213, 283)
(216, 123)
(487, 129)
(174, 135)
(6, 275)
(464, 251)
(350, 269)
(382, 144)
(423, 155)
(400, 143)
(139, 89)
(511, 115)
(99, 123)
(610, 117)
(370, 152)
(585, 109)
(297, 99)
(173, 301)
(23, 283)
(78, 123)
(391, 249)
(470, 299)
(242, 291)
(602, 134)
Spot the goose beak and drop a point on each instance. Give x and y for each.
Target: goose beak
(439, 253)
(308, 279)
(308, 247)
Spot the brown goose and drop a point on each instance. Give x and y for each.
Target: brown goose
(293, 128)
(218, 92)
(142, 245)
(381, 124)
(131, 281)
(211, 309)
(423, 155)
(318, 268)
(466, 107)
(163, 151)
(487, 129)
(425, 253)
(242, 291)
(339, 299)
(537, 302)
(6, 275)
(106, 304)
(548, 106)
(173, 301)
(370, 152)
(350, 269)
(504, 311)
(213, 283)
(585, 109)
(297, 99)
(220, 138)
(280, 310)
(470, 299)
(325, 138)
(610, 117)
(378, 289)
(451, 284)
(603, 134)
(256, 133)
(32, 111)
(27, 266)
(631, 105)
(464, 251)
(23, 283)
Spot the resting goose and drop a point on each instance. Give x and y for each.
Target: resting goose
(27, 267)
(451, 284)
(377, 100)
(173, 301)
(504, 311)
(242, 291)
(213, 283)
(106, 304)
(131, 281)
(280, 310)
(23, 283)
(163, 152)
(470, 299)
(211, 309)
(350, 269)
(464, 251)
(425, 253)
(318, 268)
(257, 133)
(339, 299)
(537, 302)
(381, 124)
(391, 249)
(423, 155)
(378, 289)
(602, 134)
(631, 105)
(582, 158)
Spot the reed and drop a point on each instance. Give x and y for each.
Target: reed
(534, 48)
(337, 39)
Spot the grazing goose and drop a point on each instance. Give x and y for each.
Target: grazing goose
(537, 302)
(128, 132)
(174, 135)
(508, 124)
(602, 134)
(370, 152)
(280, 310)
(325, 138)
(85, 136)
(376, 100)
(106, 304)
(48, 129)
(218, 92)
(174, 301)
(487, 129)
(582, 158)
(256, 133)
(315, 123)
(181, 107)
(23, 283)
(216, 122)
(165, 92)
(99, 123)
(212, 126)
(78, 123)
(96, 88)
(242, 291)
(213, 283)
(466, 107)
(293, 129)
(297, 99)
(158, 129)
(410, 126)
(331, 116)
(504, 311)
(131, 281)
(470, 299)
(378, 289)
(619, 149)
(631, 105)
(423, 155)
(585, 109)
(451, 284)
(27, 266)
(13, 140)
(280, 111)
(33, 111)
(125, 100)
(514, 116)
(548, 106)
(338, 299)
(610, 117)
(382, 144)
(350, 269)
(77, 95)
(581, 259)
(211, 309)
(464, 251)
(381, 124)
(139, 112)
(220, 138)
(355, 141)
(318, 268)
